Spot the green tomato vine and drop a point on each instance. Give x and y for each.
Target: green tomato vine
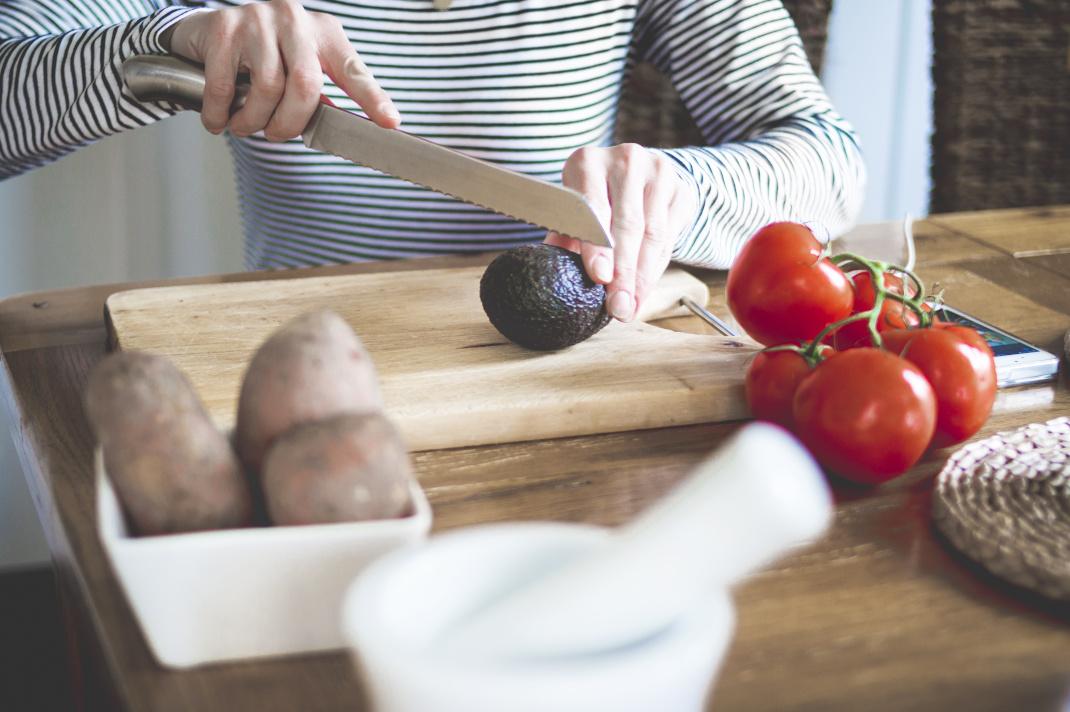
(913, 299)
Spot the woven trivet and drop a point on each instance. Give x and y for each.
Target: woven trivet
(1005, 503)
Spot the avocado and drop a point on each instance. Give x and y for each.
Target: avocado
(540, 297)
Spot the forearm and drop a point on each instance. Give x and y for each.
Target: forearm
(775, 147)
(807, 169)
(62, 86)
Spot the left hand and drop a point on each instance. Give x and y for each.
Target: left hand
(638, 194)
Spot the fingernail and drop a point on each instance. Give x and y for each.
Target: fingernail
(603, 269)
(621, 306)
(389, 110)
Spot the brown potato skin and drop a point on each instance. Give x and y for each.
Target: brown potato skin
(172, 469)
(311, 368)
(343, 469)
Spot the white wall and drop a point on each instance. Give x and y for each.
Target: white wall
(160, 202)
(877, 72)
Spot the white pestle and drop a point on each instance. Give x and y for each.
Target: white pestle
(758, 495)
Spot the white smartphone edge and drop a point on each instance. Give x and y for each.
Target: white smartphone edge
(1034, 366)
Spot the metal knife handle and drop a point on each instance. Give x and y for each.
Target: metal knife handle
(180, 81)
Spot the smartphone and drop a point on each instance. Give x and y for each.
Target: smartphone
(1018, 363)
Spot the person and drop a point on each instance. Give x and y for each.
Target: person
(531, 85)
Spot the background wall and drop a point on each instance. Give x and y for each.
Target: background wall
(877, 73)
(160, 202)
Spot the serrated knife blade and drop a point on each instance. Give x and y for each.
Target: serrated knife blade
(394, 152)
(417, 160)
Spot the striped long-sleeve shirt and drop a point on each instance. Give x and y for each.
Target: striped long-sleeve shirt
(522, 83)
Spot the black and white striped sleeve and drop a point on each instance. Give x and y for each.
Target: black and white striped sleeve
(776, 149)
(60, 83)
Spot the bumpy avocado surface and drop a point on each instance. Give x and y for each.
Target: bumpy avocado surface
(539, 296)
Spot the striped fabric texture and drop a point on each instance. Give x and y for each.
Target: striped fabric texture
(522, 83)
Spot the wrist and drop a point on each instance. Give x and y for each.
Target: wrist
(689, 186)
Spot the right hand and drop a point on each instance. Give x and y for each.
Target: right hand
(286, 50)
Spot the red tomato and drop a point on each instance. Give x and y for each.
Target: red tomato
(771, 382)
(781, 290)
(893, 315)
(959, 365)
(865, 414)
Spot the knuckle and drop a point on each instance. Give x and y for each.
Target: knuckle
(630, 152)
(277, 133)
(229, 19)
(241, 125)
(585, 155)
(272, 83)
(306, 81)
(261, 25)
(256, 12)
(625, 275)
(220, 90)
(290, 7)
(223, 31)
(662, 165)
(355, 67)
(655, 234)
(628, 223)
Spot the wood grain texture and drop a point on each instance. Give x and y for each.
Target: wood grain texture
(1022, 232)
(879, 615)
(449, 378)
(1059, 262)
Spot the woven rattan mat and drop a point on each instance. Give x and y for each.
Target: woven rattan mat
(1005, 502)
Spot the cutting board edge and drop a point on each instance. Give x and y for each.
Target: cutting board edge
(147, 317)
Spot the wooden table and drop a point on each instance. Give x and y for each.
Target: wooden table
(879, 615)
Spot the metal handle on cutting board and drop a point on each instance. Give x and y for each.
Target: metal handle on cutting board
(180, 81)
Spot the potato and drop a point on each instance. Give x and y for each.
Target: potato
(342, 469)
(312, 368)
(172, 469)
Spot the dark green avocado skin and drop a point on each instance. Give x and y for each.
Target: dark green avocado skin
(538, 296)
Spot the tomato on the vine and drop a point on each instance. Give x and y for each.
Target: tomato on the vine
(959, 365)
(771, 382)
(780, 288)
(866, 414)
(893, 314)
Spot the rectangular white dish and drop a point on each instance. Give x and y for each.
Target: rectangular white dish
(210, 597)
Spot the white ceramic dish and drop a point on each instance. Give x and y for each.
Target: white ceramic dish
(399, 607)
(215, 596)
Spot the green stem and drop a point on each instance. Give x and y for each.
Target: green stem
(815, 344)
(877, 270)
(811, 355)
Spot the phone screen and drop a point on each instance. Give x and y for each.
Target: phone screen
(1002, 344)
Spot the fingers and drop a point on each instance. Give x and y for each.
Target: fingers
(627, 187)
(220, 72)
(586, 172)
(658, 233)
(303, 81)
(639, 196)
(348, 71)
(286, 50)
(260, 55)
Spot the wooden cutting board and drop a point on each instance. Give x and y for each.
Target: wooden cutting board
(449, 378)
